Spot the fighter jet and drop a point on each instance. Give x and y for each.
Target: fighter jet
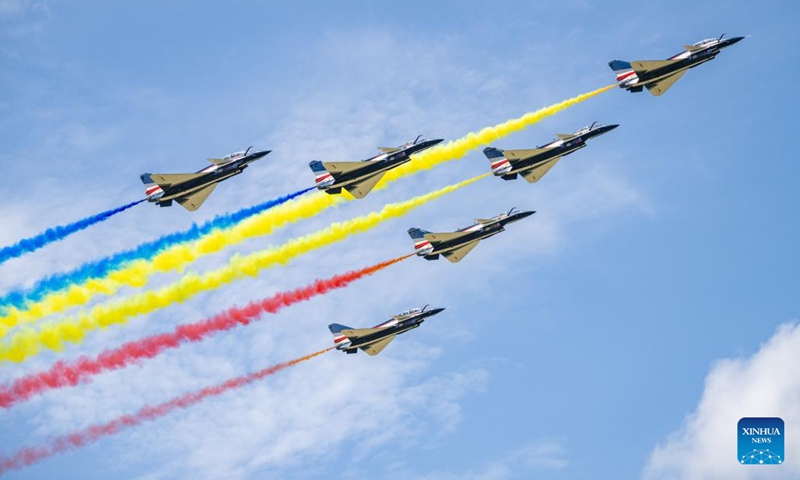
(374, 340)
(359, 178)
(533, 163)
(455, 246)
(659, 75)
(192, 189)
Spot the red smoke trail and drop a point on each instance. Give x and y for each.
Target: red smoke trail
(64, 374)
(30, 455)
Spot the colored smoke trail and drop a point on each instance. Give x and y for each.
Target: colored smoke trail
(16, 299)
(27, 343)
(458, 148)
(60, 232)
(176, 258)
(66, 374)
(30, 455)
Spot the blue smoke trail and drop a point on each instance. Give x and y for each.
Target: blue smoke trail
(55, 234)
(100, 268)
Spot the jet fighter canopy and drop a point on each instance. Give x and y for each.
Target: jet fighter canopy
(405, 145)
(416, 141)
(703, 43)
(484, 221)
(409, 313)
(505, 214)
(585, 129)
(234, 155)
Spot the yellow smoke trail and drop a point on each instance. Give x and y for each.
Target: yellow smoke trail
(177, 257)
(27, 343)
(458, 148)
(137, 273)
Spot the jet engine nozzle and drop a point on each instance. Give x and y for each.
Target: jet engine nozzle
(344, 345)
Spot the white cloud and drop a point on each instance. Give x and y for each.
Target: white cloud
(767, 384)
(299, 417)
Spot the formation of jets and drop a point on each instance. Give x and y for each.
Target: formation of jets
(360, 177)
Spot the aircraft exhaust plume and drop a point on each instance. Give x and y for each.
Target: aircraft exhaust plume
(100, 268)
(66, 374)
(60, 232)
(29, 455)
(137, 274)
(29, 342)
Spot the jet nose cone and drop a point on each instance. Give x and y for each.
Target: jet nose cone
(733, 40)
(525, 214)
(603, 129)
(435, 141)
(434, 311)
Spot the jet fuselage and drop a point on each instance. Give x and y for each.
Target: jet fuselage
(331, 179)
(395, 326)
(201, 179)
(557, 148)
(480, 230)
(694, 55)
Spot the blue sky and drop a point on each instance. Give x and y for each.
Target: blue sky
(647, 306)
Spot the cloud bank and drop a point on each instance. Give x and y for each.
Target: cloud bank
(767, 384)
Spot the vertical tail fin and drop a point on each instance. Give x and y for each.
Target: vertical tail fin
(341, 341)
(625, 73)
(323, 176)
(151, 188)
(335, 328)
(421, 245)
(497, 159)
(417, 233)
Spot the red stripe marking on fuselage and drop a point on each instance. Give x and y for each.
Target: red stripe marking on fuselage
(495, 164)
(626, 75)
